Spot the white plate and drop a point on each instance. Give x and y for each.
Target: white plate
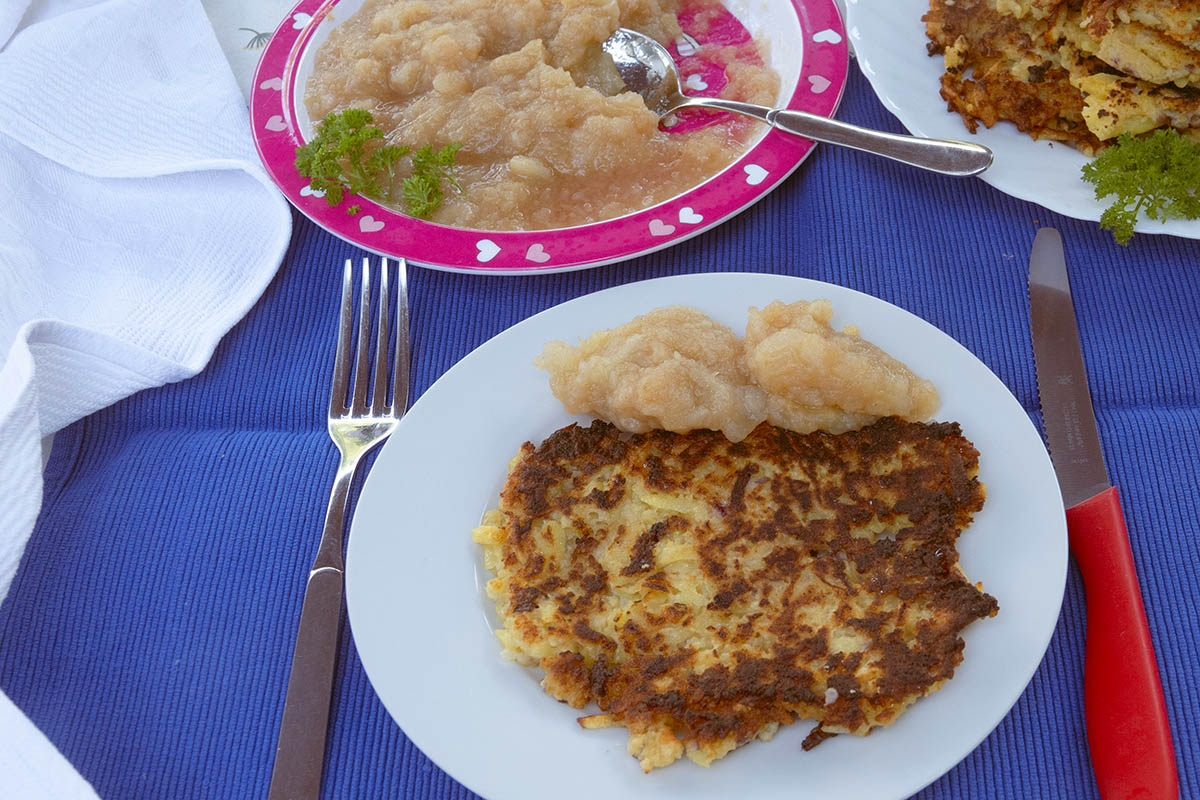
(422, 622)
(889, 42)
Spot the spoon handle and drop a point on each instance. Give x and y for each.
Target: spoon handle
(939, 155)
(762, 113)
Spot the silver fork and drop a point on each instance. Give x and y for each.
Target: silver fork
(355, 429)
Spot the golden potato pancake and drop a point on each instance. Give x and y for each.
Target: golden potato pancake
(1115, 105)
(1077, 71)
(1002, 67)
(701, 593)
(1177, 19)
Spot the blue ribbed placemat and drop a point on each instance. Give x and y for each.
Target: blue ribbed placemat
(149, 629)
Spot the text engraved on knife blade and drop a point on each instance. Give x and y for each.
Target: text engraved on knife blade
(1072, 432)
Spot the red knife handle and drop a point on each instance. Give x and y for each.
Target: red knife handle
(1127, 729)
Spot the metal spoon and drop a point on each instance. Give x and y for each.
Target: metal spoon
(646, 68)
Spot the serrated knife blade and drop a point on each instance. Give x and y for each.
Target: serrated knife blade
(1128, 733)
(1061, 376)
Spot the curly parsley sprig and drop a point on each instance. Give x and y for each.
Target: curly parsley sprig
(343, 157)
(423, 189)
(1158, 175)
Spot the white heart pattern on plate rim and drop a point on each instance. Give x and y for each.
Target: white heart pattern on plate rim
(660, 228)
(537, 253)
(308, 191)
(300, 19)
(754, 174)
(276, 123)
(275, 84)
(694, 81)
(688, 216)
(818, 83)
(368, 224)
(486, 250)
(827, 36)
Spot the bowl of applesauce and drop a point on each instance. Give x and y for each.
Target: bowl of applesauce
(555, 165)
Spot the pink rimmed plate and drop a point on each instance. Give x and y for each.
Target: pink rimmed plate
(807, 44)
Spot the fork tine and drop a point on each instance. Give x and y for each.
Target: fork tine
(400, 382)
(341, 357)
(362, 375)
(379, 394)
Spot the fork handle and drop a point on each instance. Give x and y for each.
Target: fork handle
(300, 755)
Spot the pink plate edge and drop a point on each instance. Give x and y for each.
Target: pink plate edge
(822, 80)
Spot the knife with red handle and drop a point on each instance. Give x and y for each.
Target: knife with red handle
(1127, 730)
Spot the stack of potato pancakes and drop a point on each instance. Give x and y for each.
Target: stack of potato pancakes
(1076, 71)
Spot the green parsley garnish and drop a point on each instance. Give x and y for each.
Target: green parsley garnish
(1158, 175)
(344, 157)
(423, 189)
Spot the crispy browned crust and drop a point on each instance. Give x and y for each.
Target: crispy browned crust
(825, 562)
(1006, 68)
(1081, 72)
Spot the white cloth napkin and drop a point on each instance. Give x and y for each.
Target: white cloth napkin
(137, 228)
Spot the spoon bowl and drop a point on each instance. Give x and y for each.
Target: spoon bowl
(647, 69)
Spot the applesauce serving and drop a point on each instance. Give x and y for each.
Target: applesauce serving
(547, 135)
